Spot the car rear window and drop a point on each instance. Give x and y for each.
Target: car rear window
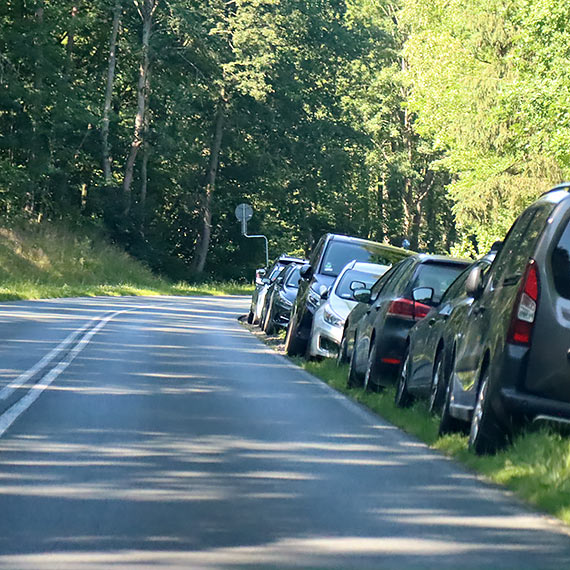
(343, 289)
(438, 276)
(339, 253)
(561, 264)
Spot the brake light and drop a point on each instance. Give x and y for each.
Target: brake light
(408, 309)
(524, 310)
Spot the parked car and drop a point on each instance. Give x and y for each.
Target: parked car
(329, 257)
(337, 302)
(390, 309)
(280, 298)
(428, 353)
(511, 361)
(262, 284)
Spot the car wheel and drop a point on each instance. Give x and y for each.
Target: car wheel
(268, 325)
(294, 346)
(371, 375)
(485, 435)
(342, 357)
(403, 398)
(250, 317)
(437, 390)
(448, 424)
(353, 380)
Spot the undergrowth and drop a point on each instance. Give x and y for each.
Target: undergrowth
(39, 262)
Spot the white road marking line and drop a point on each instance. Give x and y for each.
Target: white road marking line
(12, 413)
(25, 376)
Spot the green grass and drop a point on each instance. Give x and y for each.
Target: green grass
(42, 261)
(536, 466)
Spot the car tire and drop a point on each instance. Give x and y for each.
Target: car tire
(486, 435)
(342, 358)
(437, 388)
(447, 423)
(250, 317)
(403, 398)
(353, 380)
(294, 346)
(371, 375)
(268, 324)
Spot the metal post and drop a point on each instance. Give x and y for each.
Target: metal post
(266, 246)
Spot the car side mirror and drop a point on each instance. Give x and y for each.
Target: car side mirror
(306, 271)
(325, 292)
(266, 281)
(362, 295)
(474, 283)
(357, 285)
(259, 275)
(423, 294)
(497, 246)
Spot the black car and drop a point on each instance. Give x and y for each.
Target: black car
(328, 259)
(387, 312)
(511, 360)
(280, 299)
(262, 285)
(428, 353)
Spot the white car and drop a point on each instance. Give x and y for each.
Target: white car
(338, 301)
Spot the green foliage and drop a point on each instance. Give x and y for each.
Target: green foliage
(490, 79)
(385, 119)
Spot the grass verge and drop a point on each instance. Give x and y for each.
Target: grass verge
(40, 262)
(536, 466)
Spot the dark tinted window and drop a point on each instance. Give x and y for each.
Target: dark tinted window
(275, 271)
(339, 253)
(401, 272)
(380, 283)
(343, 288)
(294, 278)
(519, 244)
(314, 259)
(561, 263)
(457, 287)
(438, 276)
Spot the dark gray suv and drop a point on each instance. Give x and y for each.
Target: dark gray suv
(327, 260)
(511, 360)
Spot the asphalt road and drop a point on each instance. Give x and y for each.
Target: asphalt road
(164, 435)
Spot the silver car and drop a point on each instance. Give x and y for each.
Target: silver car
(337, 302)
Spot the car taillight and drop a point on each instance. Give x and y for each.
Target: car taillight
(524, 311)
(408, 309)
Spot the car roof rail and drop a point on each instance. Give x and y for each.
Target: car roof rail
(561, 186)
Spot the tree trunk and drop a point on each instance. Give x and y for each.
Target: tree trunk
(144, 175)
(204, 242)
(107, 172)
(71, 43)
(146, 11)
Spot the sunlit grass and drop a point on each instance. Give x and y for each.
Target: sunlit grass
(40, 262)
(536, 466)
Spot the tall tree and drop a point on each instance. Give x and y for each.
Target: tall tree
(146, 10)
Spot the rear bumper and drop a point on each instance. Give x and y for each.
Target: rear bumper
(528, 405)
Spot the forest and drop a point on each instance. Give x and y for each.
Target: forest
(435, 121)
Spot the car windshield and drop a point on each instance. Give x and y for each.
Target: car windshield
(343, 289)
(294, 278)
(438, 276)
(339, 253)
